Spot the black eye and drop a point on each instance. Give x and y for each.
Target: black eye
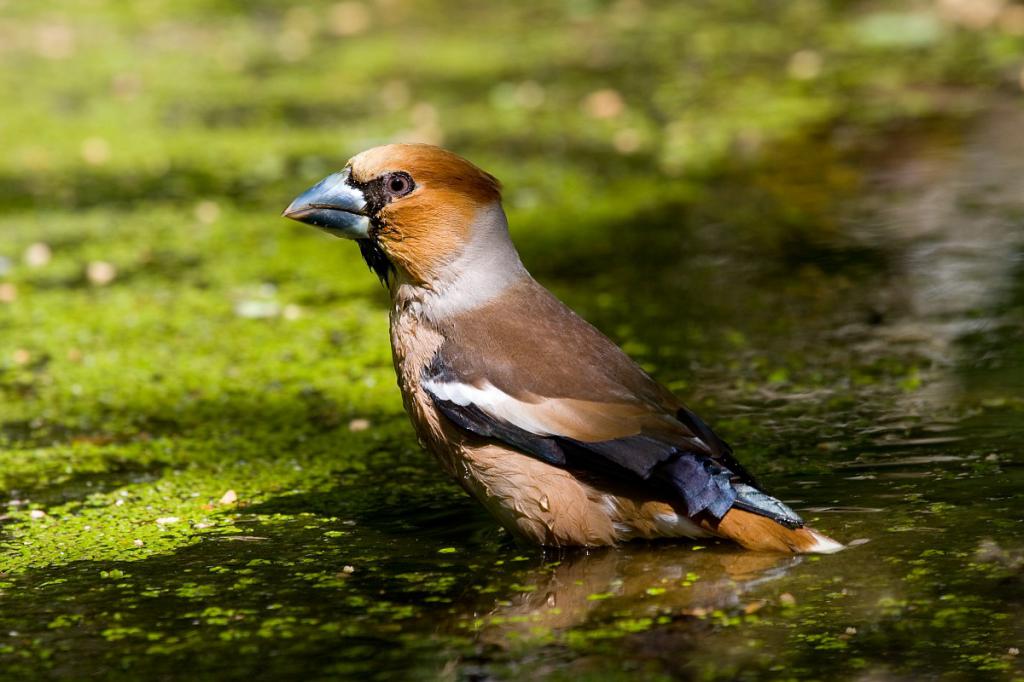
(398, 184)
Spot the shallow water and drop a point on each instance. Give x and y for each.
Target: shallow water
(871, 374)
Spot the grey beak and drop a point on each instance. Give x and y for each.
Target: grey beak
(334, 206)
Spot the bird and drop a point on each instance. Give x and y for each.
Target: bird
(557, 432)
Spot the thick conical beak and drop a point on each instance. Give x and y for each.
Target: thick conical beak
(334, 206)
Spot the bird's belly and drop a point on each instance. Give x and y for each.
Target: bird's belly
(549, 506)
(536, 502)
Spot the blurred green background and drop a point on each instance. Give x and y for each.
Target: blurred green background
(703, 180)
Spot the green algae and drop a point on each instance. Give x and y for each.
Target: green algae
(706, 227)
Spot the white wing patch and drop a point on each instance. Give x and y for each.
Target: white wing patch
(494, 402)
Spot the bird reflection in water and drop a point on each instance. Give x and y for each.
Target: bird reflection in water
(645, 581)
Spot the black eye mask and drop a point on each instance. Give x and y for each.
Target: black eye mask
(377, 197)
(377, 194)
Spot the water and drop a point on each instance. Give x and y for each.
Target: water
(871, 373)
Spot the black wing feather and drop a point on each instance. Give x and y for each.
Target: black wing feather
(471, 418)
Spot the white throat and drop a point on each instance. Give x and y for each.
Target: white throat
(487, 266)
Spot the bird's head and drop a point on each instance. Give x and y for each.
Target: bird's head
(412, 208)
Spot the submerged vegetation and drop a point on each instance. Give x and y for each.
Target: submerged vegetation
(804, 217)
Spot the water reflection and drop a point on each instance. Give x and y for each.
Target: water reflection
(953, 216)
(645, 581)
(955, 213)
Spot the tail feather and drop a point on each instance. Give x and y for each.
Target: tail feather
(760, 533)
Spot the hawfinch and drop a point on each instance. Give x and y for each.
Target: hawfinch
(537, 414)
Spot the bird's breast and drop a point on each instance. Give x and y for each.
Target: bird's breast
(413, 345)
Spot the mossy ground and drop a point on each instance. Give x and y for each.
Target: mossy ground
(688, 176)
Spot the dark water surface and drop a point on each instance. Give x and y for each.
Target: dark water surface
(870, 372)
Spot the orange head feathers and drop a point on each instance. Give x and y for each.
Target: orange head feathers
(412, 207)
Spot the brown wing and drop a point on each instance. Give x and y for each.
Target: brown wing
(529, 372)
